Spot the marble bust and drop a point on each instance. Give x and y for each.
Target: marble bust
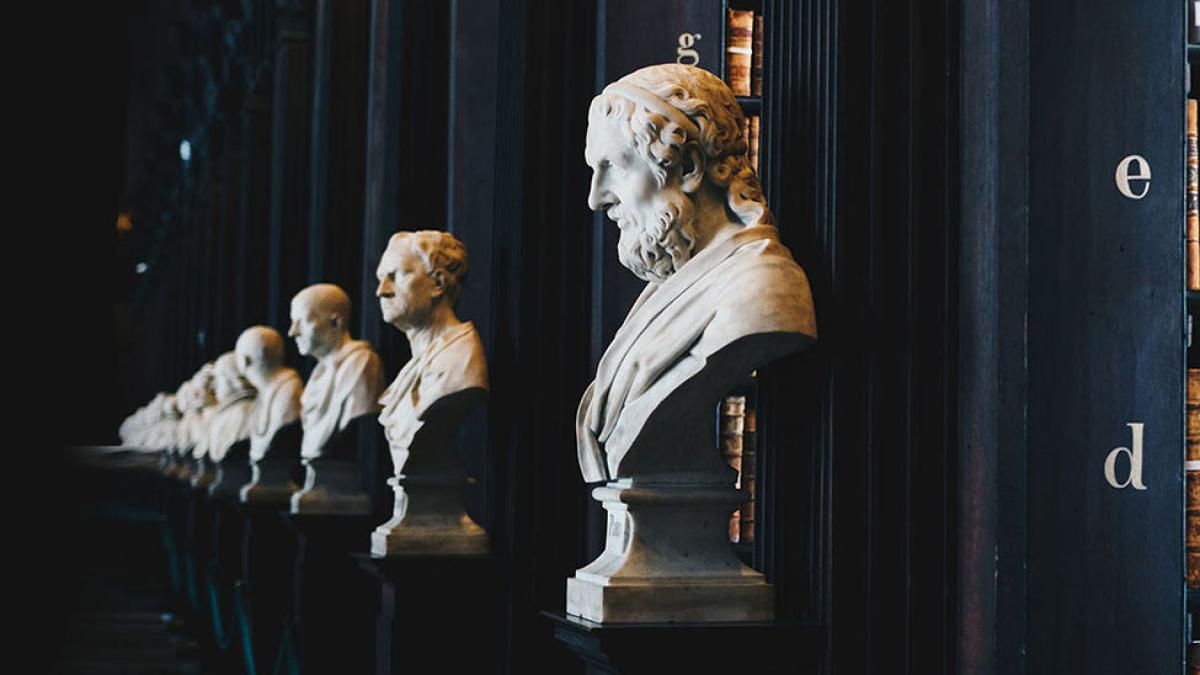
(259, 352)
(235, 403)
(723, 297)
(343, 387)
(420, 279)
(196, 400)
(276, 411)
(161, 427)
(228, 419)
(203, 471)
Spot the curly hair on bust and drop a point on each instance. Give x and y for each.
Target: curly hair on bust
(443, 256)
(709, 103)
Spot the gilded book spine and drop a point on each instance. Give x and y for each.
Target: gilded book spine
(749, 459)
(1193, 477)
(739, 42)
(733, 413)
(756, 60)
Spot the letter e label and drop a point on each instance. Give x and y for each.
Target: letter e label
(1131, 173)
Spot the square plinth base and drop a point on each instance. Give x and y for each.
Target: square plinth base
(674, 602)
(427, 542)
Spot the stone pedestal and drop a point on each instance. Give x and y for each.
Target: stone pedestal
(270, 484)
(267, 555)
(230, 476)
(204, 472)
(328, 627)
(181, 468)
(654, 649)
(667, 558)
(429, 519)
(222, 581)
(435, 614)
(331, 486)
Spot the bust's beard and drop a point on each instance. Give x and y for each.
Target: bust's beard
(655, 248)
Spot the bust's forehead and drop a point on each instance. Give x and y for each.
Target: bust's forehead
(398, 253)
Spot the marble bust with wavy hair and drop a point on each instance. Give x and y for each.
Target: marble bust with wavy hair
(677, 119)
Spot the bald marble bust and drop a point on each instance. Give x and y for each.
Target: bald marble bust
(259, 352)
(349, 376)
(420, 279)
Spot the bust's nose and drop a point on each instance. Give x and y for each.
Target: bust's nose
(598, 195)
(293, 330)
(384, 289)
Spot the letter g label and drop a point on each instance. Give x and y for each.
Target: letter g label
(685, 54)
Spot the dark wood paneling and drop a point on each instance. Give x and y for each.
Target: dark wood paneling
(1106, 338)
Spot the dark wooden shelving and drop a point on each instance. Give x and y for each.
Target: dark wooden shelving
(751, 105)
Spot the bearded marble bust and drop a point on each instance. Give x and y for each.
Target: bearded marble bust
(235, 403)
(420, 279)
(349, 376)
(669, 167)
(723, 297)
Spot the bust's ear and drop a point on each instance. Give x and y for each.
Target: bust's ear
(439, 284)
(692, 169)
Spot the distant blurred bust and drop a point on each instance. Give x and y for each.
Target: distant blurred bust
(196, 399)
(349, 376)
(260, 359)
(235, 404)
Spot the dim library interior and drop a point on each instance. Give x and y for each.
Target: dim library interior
(627, 338)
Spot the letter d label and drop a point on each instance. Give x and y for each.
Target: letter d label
(1135, 461)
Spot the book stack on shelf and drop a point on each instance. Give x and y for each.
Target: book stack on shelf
(737, 428)
(733, 418)
(744, 67)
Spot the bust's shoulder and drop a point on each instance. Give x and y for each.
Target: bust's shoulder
(761, 289)
(461, 362)
(359, 356)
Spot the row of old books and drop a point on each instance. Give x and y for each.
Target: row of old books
(1192, 469)
(744, 52)
(737, 427)
(744, 67)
